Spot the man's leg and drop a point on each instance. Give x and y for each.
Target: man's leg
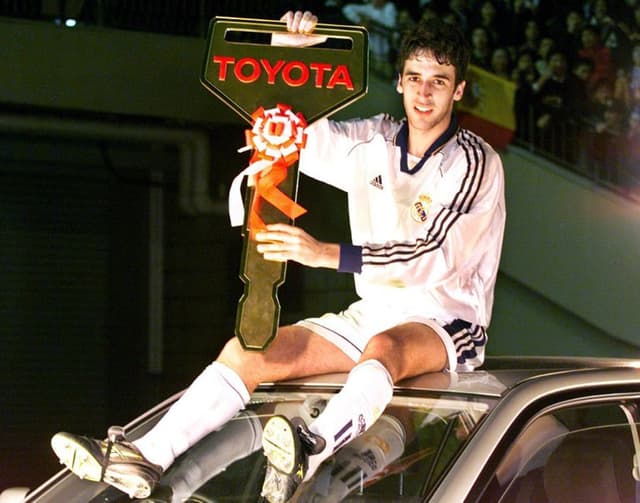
(224, 388)
(398, 353)
(211, 400)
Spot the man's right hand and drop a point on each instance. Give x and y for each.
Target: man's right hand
(300, 26)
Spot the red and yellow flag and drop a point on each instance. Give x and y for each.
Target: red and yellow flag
(488, 107)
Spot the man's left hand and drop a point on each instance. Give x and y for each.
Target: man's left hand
(282, 242)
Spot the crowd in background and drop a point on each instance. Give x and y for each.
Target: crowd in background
(576, 66)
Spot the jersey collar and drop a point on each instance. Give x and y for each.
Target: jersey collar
(402, 141)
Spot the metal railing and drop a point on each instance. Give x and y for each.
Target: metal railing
(610, 159)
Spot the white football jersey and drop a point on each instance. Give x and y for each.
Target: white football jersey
(427, 233)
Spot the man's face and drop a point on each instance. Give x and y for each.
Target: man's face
(428, 91)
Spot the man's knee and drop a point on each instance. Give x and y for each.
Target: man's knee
(232, 354)
(385, 348)
(380, 345)
(407, 350)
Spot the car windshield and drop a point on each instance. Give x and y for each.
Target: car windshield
(400, 457)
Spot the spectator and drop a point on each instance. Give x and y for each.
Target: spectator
(524, 75)
(546, 46)
(450, 18)
(543, 10)
(600, 56)
(524, 72)
(576, 107)
(612, 34)
(569, 37)
(551, 101)
(634, 79)
(631, 163)
(621, 87)
(461, 11)
(581, 72)
(379, 17)
(531, 37)
(501, 63)
(486, 16)
(481, 48)
(404, 23)
(597, 15)
(428, 12)
(604, 133)
(518, 13)
(634, 25)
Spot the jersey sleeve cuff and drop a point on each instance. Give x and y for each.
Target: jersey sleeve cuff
(350, 258)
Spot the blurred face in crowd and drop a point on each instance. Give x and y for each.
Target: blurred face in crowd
(574, 22)
(525, 62)
(500, 60)
(479, 38)
(589, 38)
(600, 9)
(546, 44)
(558, 64)
(450, 18)
(582, 71)
(487, 12)
(602, 94)
(531, 31)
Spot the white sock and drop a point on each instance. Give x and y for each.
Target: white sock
(351, 412)
(211, 400)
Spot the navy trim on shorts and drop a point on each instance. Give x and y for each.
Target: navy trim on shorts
(466, 338)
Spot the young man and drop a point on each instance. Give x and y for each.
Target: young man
(426, 209)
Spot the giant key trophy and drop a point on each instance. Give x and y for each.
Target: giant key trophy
(279, 91)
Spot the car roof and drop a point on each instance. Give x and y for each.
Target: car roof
(495, 378)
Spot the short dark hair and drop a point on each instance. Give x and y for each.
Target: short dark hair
(446, 42)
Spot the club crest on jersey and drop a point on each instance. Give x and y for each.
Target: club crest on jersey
(420, 208)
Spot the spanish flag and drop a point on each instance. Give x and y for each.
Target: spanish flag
(487, 107)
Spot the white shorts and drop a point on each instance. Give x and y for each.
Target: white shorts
(351, 329)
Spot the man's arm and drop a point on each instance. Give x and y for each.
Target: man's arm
(281, 242)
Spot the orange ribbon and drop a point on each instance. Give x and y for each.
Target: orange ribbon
(277, 136)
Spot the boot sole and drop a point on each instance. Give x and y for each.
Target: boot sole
(280, 444)
(78, 458)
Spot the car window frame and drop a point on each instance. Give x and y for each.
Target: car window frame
(537, 409)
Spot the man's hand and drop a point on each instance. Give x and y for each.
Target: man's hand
(281, 242)
(300, 26)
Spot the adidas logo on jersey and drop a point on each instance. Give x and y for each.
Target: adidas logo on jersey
(377, 182)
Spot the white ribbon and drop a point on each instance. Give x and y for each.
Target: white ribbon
(236, 206)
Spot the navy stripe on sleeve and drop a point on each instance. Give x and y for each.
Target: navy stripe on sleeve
(350, 258)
